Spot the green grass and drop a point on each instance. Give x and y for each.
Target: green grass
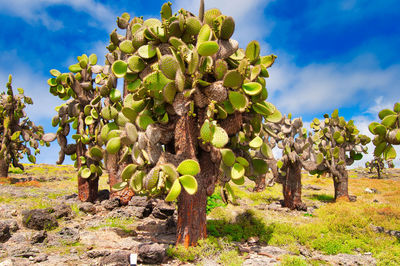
(126, 224)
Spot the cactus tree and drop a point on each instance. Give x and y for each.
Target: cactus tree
(81, 112)
(193, 101)
(336, 144)
(387, 133)
(16, 130)
(291, 138)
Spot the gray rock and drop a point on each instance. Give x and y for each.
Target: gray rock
(25, 252)
(40, 258)
(5, 233)
(62, 210)
(103, 195)
(151, 253)
(371, 190)
(13, 224)
(140, 201)
(111, 203)
(39, 237)
(119, 258)
(311, 187)
(93, 254)
(38, 219)
(347, 259)
(256, 260)
(162, 210)
(87, 207)
(69, 235)
(153, 226)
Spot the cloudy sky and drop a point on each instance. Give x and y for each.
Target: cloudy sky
(331, 54)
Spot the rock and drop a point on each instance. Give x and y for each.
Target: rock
(118, 258)
(151, 253)
(130, 212)
(87, 207)
(39, 237)
(5, 233)
(62, 210)
(140, 201)
(69, 235)
(371, 190)
(347, 259)
(256, 260)
(8, 262)
(13, 224)
(311, 187)
(25, 252)
(162, 210)
(270, 251)
(93, 254)
(111, 204)
(352, 198)
(153, 226)
(38, 219)
(103, 195)
(40, 258)
(253, 240)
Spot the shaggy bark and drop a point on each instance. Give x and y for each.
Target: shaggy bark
(291, 185)
(4, 168)
(260, 184)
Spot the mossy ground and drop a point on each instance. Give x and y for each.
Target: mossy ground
(333, 228)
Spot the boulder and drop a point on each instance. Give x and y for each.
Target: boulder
(38, 219)
(5, 233)
(151, 253)
(39, 237)
(118, 258)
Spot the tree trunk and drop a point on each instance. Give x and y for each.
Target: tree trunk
(87, 187)
(341, 185)
(4, 168)
(378, 169)
(260, 183)
(292, 187)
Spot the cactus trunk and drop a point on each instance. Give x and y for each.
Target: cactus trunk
(192, 220)
(341, 185)
(4, 168)
(292, 187)
(260, 183)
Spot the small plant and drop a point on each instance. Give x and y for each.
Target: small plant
(214, 201)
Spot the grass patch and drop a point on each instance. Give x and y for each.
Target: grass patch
(126, 224)
(289, 260)
(322, 197)
(218, 249)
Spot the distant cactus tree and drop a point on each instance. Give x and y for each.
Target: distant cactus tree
(376, 164)
(192, 103)
(18, 134)
(292, 139)
(336, 144)
(82, 112)
(387, 133)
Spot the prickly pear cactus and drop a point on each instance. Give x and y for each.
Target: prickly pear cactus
(387, 133)
(18, 134)
(290, 137)
(82, 112)
(193, 102)
(336, 144)
(376, 165)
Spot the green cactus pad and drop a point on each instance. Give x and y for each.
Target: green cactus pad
(119, 68)
(390, 120)
(206, 131)
(119, 186)
(238, 101)
(242, 161)
(237, 171)
(75, 68)
(166, 11)
(180, 80)
(385, 112)
(275, 117)
(193, 26)
(228, 157)
(266, 151)
(138, 106)
(115, 95)
(205, 34)
(210, 15)
(232, 79)
(109, 112)
(113, 145)
(189, 167)
(320, 158)
(155, 81)
(208, 48)
(267, 60)
(55, 72)
(174, 191)
(239, 181)
(193, 62)
(260, 166)
(147, 51)
(389, 153)
(252, 88)
(256, 142)
(227, 28)
(220, 69)
(253, 51)
(126, 47)
(170, 171)
(133, 86)
(131, 132)
(96, 153)
(85, 173)
(168, 66)
(128, 172)
(169, 92)
(129, 113)
(264, 108)
(219, 138)
(338, 137)
(189, 183)
(136, 181)
(151, 179)
(143, 121)
(136, 64)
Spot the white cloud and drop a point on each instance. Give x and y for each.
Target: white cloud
(36, 11)
(324, 87)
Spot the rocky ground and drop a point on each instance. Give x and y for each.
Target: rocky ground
(47, 225)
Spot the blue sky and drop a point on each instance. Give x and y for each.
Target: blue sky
(331, 54)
